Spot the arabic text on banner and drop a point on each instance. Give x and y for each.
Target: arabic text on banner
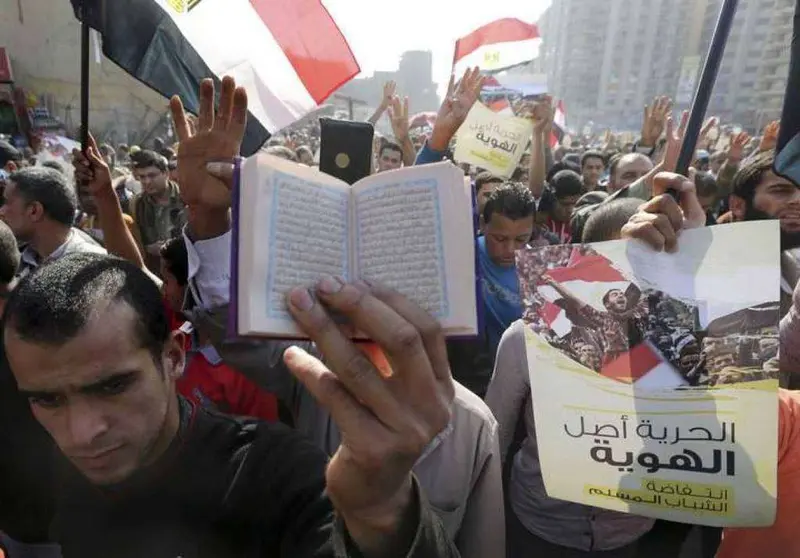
(491, 141)
(654, 376)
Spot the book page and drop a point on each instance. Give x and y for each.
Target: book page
(298, 221)
(413, 232)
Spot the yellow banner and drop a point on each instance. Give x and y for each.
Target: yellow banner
(492, 141)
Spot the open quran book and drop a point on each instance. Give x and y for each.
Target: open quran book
(410, 229)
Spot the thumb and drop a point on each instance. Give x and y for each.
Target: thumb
(667, 181)
(221, 170)
(94, 156)
(92, 143)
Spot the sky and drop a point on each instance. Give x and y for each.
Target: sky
(379, 31)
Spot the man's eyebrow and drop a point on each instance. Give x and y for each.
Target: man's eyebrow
(88, 388)
(124, 376)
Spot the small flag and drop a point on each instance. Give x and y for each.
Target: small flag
(497, 46)
(288, 54)
(559, 125)
(501, 106)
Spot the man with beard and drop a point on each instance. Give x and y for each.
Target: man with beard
(759, 193)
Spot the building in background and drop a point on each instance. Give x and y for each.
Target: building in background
(608, 59)
(414, 78)
(752, 78)
(42, 41)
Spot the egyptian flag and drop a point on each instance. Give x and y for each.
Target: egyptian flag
(589, 277)
(559, 125)
(497, 46)
(787, 160)
(288, 54)
(501, 106)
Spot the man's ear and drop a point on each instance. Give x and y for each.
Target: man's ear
(175, 355)
(738, 207)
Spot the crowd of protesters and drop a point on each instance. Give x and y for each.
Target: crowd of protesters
(119, 384)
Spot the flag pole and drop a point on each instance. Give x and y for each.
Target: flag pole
(84, 84)
(707, 78)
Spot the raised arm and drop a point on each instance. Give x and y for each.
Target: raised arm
(388, 92)
(542, 114)
(398, 112)
(457, 103)
(93, 172)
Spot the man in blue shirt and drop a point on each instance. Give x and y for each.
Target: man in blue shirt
(508, 224)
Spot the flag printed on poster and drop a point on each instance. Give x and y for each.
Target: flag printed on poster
(289, 55)
(654, 376)
(497, 46)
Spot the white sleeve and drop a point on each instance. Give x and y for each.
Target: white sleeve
(210, 270)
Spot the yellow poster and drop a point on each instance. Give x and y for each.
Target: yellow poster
(492, 141)
(653, 376)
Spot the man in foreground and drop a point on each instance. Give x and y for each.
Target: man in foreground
(151, 475)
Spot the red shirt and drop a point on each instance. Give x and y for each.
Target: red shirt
(219, 386)
(562, 230)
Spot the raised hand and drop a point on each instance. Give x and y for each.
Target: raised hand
(456, 105)
(769, 139)
(398, 113)
(705, 138)
(655, 118)
(92, 172)
(737, 146)
(672, 148)
(389, 89)
(542, 113)
(216, 139)
(386, 422)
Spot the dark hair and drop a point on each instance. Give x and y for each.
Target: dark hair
(592, 155)
(705, 184)
(147, 158)
(8, 153)
(54, 303)
(9, 255)
(607, 296)
(485, 178)
(391, 146)
(567, 183)
(608, 218)
(613, 162)
(750, 174)
(177, 259)
(50, 188)
(512, 200)
(560, 166)
(55, 165)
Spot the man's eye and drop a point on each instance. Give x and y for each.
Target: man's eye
(46, 401)
(115, 387)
